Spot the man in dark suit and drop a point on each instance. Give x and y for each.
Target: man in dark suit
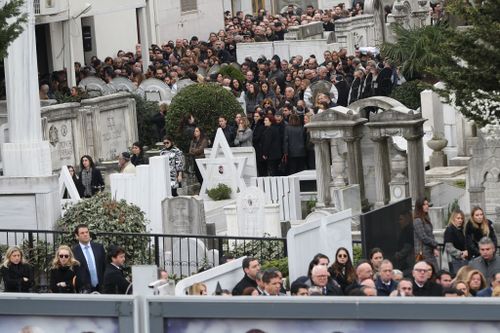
(92, 258)
(114, 279)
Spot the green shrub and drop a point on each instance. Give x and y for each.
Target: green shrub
(409, 93)
(265, 250)
(357, 253)
(281, 264)
(103, 214)
(233, 73)
(221, 192)
(146, 110)
(206, 102)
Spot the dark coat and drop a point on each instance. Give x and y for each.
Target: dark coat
(245, 282)
(138, 160)
(62, 274)
(13, 278)
(332, 287)
(456, 237)
(428, 289)
(474, 235)
(83, 273)
(97, 182)
(384, 82)
(383, 289)
(114, 281)
(295, 141)
(271, 144)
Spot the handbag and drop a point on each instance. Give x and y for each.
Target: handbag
(420, 254)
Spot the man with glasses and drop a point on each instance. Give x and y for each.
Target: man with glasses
(422, 286)
(320, 279)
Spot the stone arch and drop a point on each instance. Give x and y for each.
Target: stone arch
(381, 102)
(376, 7)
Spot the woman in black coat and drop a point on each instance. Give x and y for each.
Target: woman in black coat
(478, 227)
(63, 271)
(257, 129)
(16, 273)
(90, 177)
(294, 145)
(454, 242)
(138, 157)
(271, 146)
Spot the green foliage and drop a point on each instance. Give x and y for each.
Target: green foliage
(146, 110)
(281, 264)
(265, 250)
(471, 75)
(417, 50)
(103, 214)
(357, 253)
(64, 98)
(460, 183)
(10, 30)
(233, 73)
(409, 93)
(39, 255)
(206, 102)
(221, 192)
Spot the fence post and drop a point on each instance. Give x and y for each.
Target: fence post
(157, 250)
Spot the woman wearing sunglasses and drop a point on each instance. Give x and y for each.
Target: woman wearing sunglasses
(342, 269)
(63, 271)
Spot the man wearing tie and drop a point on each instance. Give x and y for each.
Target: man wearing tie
(92, 258)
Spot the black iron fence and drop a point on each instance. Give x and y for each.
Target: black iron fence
(180, 255)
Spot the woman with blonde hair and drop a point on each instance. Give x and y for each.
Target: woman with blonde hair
(63, 271)
(463, 272)
(476, 228)
(454, 241)
(17, 274)
(198, 289)
(475, 281)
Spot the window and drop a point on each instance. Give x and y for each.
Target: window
(188, 5)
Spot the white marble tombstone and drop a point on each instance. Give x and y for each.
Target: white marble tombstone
(188, 255)
(324, 234)
(184, 215)
(221, 167)
(250, 209)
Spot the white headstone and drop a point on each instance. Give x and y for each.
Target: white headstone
(184, 215)
(188, 255)
(250, 209)
(226, 170)
(322, 235)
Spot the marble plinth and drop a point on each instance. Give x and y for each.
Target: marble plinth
(26, 159)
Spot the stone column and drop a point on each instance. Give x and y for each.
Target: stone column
(25, 154)
(322, 157)
(416, 172)
(355, 164)
(338, 165)
(382, 177)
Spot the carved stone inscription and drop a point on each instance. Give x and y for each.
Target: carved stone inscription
(113, 134)
(61, 143)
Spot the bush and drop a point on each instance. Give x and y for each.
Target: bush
(221, 192)
(281, 264)
(233, 73)
(147, 130)
(206, 102)
(103, 214)
(409, 93)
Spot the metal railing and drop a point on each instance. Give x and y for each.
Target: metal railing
(180, 255)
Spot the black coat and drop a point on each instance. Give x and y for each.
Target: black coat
(258, 130)
(474, 235)
(114, 281)
(428, 289)
(245, 282)
(62, 274)
(455, 236)
(138, 160)
(13, 278)
(96, 182)
(271, 144)
(83, 273)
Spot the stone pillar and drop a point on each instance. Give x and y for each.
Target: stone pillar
(355, 165)
(338, 165)
(143, 29)
(322, 157)
(399, 183)
(416, 172)
(26, 154)
(382, 177)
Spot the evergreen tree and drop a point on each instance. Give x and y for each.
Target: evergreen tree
(11, 24)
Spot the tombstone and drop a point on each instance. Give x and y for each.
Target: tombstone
(250, 209)
(183, 83)
(188, 256)
(390, 228)
(94, 86)
(184, 215)
(123, 84)
(226, 170)
(67, 185)
(324, 235)
(155, 90)
(250, 169)
(318, 87)
(226, 275)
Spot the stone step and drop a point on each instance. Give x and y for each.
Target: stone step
(459, 161)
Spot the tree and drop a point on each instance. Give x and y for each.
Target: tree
(417, 50)
(11, 24)
(206, 102)
(472, 79)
